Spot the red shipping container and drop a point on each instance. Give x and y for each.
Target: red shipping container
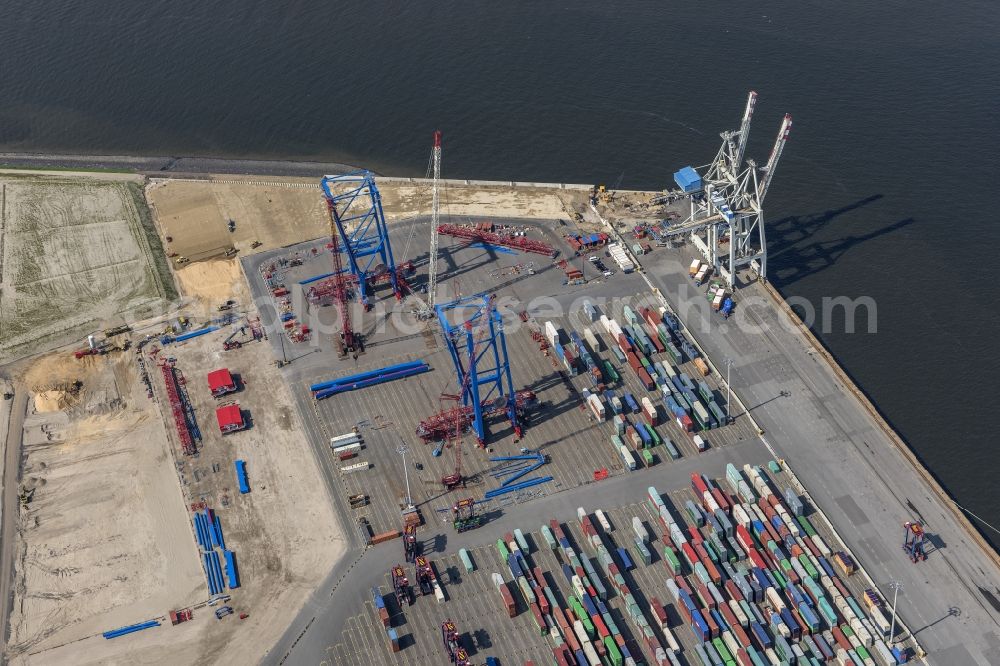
(744, 538)
(812, 547)
(713, 571)
(508, 600)
(792, 576)
(713, 628)
(581, 573)
(685, 613)
(840, 586)
(645, 379)
(699, 485)
(658, 610)
(728, 615)
(538, 615)
(689, 554)
(707, 600)
(741, 635)
(733, 590)
(841, 640)
(686, 423)
(347, 455)
(620, 640)
(561, 657)
(695, 536)
(721, 499)
(755, 557)
(613, 569)
(602, 629)
(773, 500)
(743, 659)
(700, 549)
(655, 339)
(543, 602)
(591, 591)
(682, 584)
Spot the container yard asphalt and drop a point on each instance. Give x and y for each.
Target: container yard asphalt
(317, 628)
(852, 469)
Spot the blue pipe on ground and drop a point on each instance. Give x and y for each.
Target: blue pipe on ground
(365, 375)
(333, 390)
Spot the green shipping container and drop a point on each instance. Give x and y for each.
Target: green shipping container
(806, 525)
(614, 654)
(808, 566)
(463, 555)
(720, 647)
(756, 658)
(610, 372)
(645, 363)
(549, 537)
(502, 547)
(780, 579)
(671, 559)
(862, 652)
(653, 435)
(710, 549)
(647, 456)
(773, 466)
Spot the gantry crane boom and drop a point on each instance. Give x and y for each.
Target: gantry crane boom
(741, 142)
(432, 260)
(772, 161)
(340, 288)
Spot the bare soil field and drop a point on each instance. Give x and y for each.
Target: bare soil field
(284, 211)
(75, 255)
(104, 540)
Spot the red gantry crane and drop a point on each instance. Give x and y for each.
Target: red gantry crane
(347, 343)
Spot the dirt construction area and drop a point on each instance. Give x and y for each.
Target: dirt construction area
(75, 255)
(105, 538)
(195, 214)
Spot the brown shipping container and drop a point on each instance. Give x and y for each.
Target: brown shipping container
(385, 536)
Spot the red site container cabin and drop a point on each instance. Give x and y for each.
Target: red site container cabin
(220, 382)
(230, 418)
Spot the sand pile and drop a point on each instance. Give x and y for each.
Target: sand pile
(212, 282)
(50, 401)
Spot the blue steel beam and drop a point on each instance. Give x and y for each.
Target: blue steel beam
(357, 212)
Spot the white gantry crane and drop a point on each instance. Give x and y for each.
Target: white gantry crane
(727, 223)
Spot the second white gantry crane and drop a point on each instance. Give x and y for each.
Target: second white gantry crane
(727, 223)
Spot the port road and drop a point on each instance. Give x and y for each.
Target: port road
(852, 469)
(14, 420)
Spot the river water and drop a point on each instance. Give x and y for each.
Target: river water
(882, 192)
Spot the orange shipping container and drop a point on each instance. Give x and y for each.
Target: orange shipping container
(702, 367)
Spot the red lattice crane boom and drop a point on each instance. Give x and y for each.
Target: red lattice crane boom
(347, 341)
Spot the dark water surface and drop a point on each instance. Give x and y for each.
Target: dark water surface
(886, 189)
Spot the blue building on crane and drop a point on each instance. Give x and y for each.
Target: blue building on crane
(356, 206)
(478, 349)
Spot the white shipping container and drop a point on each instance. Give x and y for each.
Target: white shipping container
(777, 603)
(640, 529)
(741, 617)
(627, 457)
(356, 467)
(551, 332)
(349, 438)
(438, 591)
(709, 502)
(343, 448)
(740, 515)
(671, 640)
(592, 340)
(596, 406)
(694, 267)
(603, 520)
(731, 642)
(591, 654)
(606, 323)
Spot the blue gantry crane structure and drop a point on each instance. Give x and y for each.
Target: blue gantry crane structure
(478, 349)
(356, 208)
